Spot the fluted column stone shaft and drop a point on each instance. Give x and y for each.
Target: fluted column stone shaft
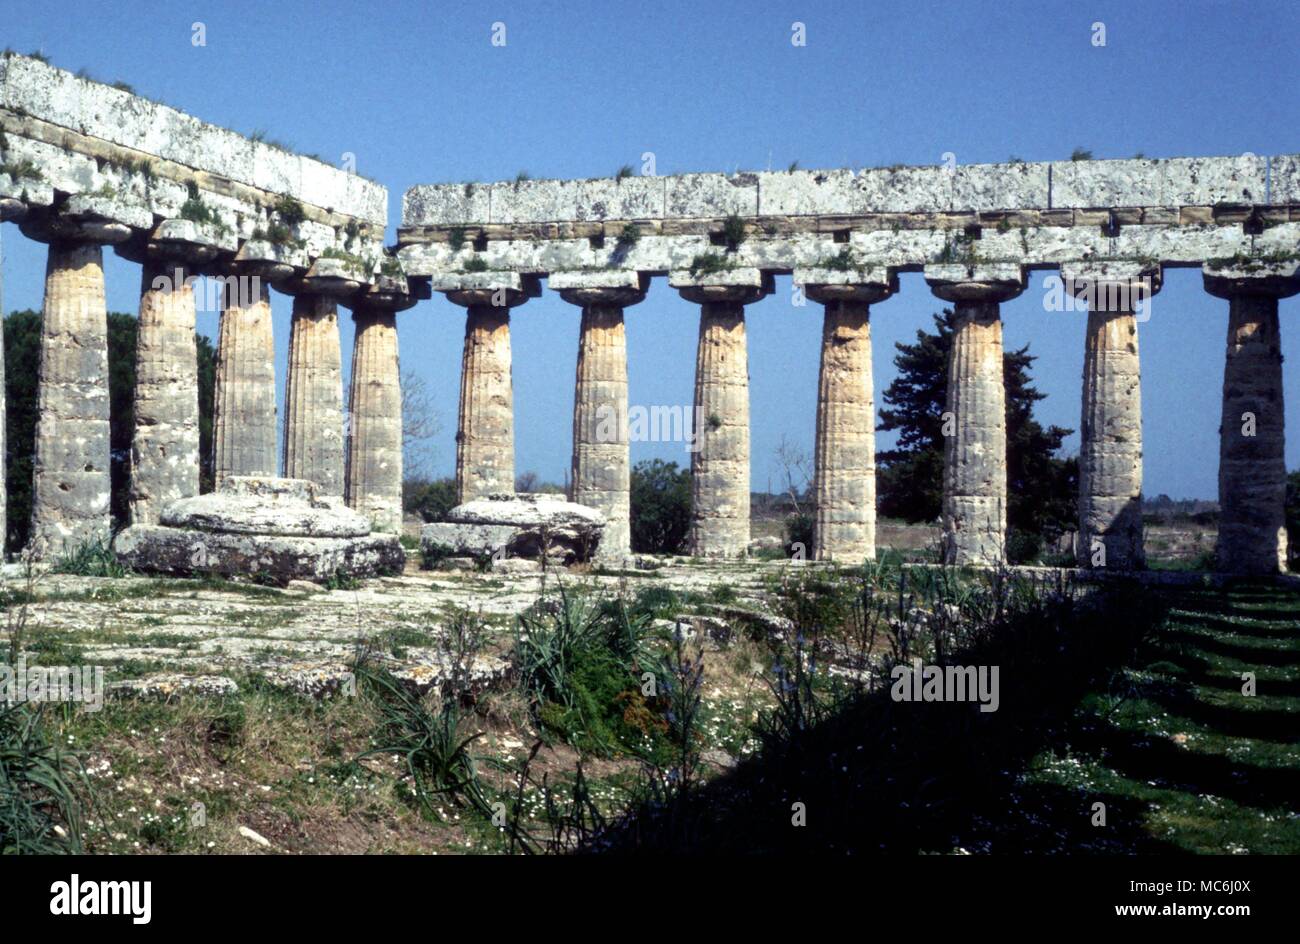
(1252, 468)
(1110, 428)
(374, 463)
(975, 455)
(1110, 450)
(313, 421)
(844, 454)
(71, 485)
(244, 420)
(720, 463)
(485, 433)
(975, 443)
(601, 473)
(165, 444)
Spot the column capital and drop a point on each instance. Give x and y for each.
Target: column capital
(741, 285)
(493, 289)
(11, 209)
(181, 242)
(615, 287)
(976, 282)
(869, 284)
(1272, 279)
(1112, 286)
(266, 260)
(86, 219)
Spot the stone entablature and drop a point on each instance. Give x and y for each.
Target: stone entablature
(94, 151)
(1177, 211)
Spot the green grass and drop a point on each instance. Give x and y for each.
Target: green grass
(1184, 760)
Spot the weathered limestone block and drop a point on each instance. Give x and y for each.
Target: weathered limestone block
(720, 463)
(280, 558)
(975, 455)
(285, 513)
(539, 526)
(844, 472)
(485, 435)
(244, 423)
(1110, 452)
(374, 465)
(279, 529)
(441, 539)
(70, 497)
(165, 446)
(313, 421)
(601, 467)
(1252, 469)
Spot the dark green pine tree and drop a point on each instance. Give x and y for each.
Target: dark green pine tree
(1041, 487)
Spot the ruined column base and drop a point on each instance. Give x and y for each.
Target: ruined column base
(275, 530)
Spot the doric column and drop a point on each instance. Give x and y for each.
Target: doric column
(485, 428)
(71, 487)
(313, 401)
(244, 421)
(844, 467)
(165, 443)
(720, 458)
(374, 458)
(601, 475)
(1252, 469)
(975, 454)
(1110, 429)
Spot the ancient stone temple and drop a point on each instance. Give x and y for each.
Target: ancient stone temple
(88, 166)
(976, 233)
(84, 166)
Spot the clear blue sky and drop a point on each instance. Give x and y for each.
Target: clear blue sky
(418, 92)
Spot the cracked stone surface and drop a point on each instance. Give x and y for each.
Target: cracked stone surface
(244, 421)
(720, 463)
(1252, 467)
(165, 447)
(176, 638)
(975, 455)
(374, 466)
(70, 492)
(844, 460)
(313, 415)
(519, 525)
(485, 436)
(601, 471)
(276, 529)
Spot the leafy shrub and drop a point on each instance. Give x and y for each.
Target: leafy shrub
(660, 507)
(799, 530)
(580, 662)
(430, 499)
(1022, 547)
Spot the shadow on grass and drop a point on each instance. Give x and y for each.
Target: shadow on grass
(1201, 671)
(1284, 631)
(904, 777)
(1217, 645)
(1160, 761)
(1258, 723)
